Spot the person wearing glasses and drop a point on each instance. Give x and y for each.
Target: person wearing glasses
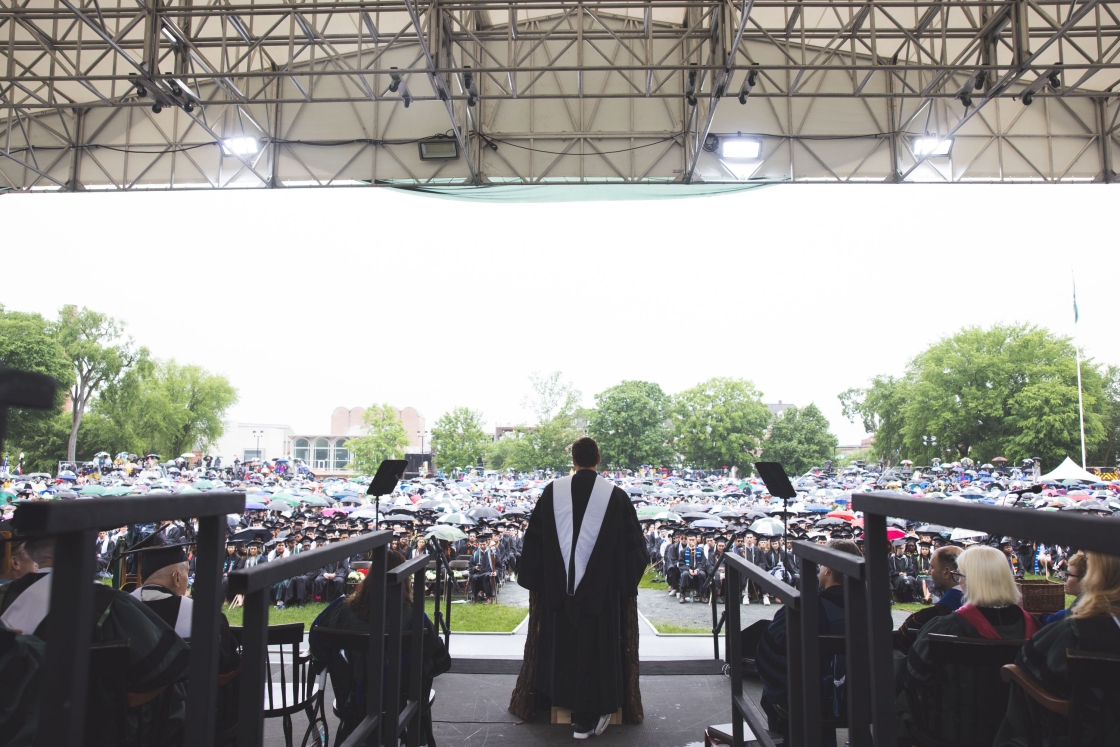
(1075, 571)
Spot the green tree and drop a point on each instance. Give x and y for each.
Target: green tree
(630, 422)
(1107, 452)
(99, 353)
(458, 439)
(507, 451)
(799, 439)
(385, 438)
(165, 408)
(719, 423)
(27, 343)
(1007, 390)
(879, 408)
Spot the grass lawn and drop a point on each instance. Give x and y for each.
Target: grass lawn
(666, 627)
(647, 581)
(465, 618)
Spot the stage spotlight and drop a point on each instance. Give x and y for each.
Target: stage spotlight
(748, 86)
(395, 80)
(690, 89)
(470, 87)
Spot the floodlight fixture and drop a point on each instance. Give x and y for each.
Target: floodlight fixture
(439, 148)
(740, 148)
(933, 147)
(748, 85)
(690, 88)
(240, 146)
(394, 80)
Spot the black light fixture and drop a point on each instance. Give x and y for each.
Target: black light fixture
(439, 148)
(470, 87)
(748, 85)
(690, 89)
(397, 85)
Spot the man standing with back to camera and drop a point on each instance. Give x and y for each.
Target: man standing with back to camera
(582, 559)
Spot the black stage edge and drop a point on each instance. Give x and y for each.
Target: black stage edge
(645, 668)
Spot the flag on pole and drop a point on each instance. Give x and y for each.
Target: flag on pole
(1075, 314)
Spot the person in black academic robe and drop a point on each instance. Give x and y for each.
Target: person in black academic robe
(157, 657)
(484, 566)
(582, 559)
(693, 569)
(232, 562)
(330, 582)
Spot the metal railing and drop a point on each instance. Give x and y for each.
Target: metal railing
(74, 526)
(741, 710)
(255, 583)
(870, 672)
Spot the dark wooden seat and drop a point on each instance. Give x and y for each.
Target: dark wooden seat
(1088, 717)
(948, 714)
(347, 667)
(289, 685)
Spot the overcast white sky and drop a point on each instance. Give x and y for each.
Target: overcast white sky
(310, 299)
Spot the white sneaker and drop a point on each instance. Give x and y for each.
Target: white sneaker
(672, 592)
(598, 729)
(766, 599)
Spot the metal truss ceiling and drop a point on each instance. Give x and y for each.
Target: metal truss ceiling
(146, 94)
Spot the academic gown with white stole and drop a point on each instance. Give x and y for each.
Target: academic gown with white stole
(582, 559)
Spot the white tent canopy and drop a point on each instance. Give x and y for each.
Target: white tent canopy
(1068, 470)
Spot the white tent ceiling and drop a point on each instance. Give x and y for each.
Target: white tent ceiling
(555, 91)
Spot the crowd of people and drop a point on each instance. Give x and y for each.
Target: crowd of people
(690, 520)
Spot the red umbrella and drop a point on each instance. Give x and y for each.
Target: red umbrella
(894, 533)
(999, 459)
(845, 515)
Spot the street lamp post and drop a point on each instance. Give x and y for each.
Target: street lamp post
(258, 435)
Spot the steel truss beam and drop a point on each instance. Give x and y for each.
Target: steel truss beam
(561, 91)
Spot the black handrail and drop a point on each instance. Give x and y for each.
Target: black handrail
(853, 568)
(417, 698)
(740, 708)
(255, 582)
(74, 525)
(871, 696)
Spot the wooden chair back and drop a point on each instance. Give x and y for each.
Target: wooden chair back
(964, 703)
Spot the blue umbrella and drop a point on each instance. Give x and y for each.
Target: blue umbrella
(707, 524)
(254, 506)
(817, 508)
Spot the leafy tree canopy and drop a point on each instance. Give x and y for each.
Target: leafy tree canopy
(163, 408)
(1009, 390)
(630, 422)
(27, 343)
(99, 353)
(719, 423)
(799, 439)
(385, 438)
(458, 439)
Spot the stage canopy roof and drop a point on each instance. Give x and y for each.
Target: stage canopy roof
(147, 94)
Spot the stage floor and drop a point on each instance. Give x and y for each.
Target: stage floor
(470, 711)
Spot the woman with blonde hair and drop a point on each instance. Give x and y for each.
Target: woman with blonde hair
(991, 610)
(1093, 625)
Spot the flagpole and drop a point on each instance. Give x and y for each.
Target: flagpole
(1077, 351)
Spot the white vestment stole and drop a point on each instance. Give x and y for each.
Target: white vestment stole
(588, 529)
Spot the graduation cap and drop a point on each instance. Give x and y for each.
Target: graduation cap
(153, 553)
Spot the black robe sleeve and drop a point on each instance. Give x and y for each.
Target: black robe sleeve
(530, 568)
